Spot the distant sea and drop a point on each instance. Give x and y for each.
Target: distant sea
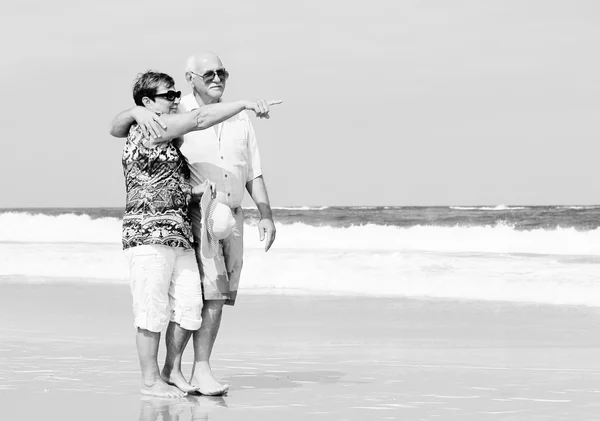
(540, 254)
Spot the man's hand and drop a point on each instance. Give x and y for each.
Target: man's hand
(199, 189)
(149, 122)
(266, 226)
(261, 108)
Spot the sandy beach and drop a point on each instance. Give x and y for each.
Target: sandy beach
(67, 352)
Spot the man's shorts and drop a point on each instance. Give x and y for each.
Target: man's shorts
(165, 285)
(221, 274)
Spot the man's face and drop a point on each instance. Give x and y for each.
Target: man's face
(166, 100)
(210, 78)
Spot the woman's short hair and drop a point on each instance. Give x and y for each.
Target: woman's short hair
(146, 84)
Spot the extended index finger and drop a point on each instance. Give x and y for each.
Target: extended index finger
(274, 102)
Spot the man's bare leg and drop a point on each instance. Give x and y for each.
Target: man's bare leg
(152, 383)
(204, 339)
(176, 339)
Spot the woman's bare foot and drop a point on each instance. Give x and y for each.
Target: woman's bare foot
(162, 389)
(175, 378)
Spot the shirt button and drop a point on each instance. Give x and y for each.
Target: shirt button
(228, 194)
(221, 157)
(225, 175)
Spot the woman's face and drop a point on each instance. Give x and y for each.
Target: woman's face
(166, 100)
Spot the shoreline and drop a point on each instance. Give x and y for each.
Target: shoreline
(76, 281)
(70, 349)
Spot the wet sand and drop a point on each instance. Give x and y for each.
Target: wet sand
(67, 353)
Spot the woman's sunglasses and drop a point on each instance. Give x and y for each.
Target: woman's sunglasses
(169, 96)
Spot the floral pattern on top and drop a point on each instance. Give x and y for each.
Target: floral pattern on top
(158, 194)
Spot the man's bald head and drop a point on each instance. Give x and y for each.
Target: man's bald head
(206, 60)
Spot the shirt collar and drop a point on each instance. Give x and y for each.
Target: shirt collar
(189, 102)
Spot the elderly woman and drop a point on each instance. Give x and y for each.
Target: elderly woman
(157, 233)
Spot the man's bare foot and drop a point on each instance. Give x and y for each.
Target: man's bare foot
(162, 389)
(208, 385)
(175, 378)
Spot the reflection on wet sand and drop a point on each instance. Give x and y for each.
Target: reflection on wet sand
(160, 409)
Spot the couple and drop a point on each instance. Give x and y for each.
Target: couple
(174, 158)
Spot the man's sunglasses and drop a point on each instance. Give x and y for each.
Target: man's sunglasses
(209, 75)
(169, 96)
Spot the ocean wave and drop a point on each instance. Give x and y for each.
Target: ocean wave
(536, 279)
(301, 208)
(65, 228)
(489, 208)
(293, 208)
(578, 207)
(500, 238)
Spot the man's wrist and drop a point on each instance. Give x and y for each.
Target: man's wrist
(266, 214)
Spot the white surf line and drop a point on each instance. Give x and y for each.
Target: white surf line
(428, 403)
(306, 363)
(35, 371)
(264, 407)
(379, 408)
(483, 388)
(238, 368)
(457, 397)
(468, 367)
(542, 400)
(68, 358)
(505, 412)
(262, 358)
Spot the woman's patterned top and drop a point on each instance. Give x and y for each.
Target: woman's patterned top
(158, 194)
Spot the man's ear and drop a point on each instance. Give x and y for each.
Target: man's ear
(146, 101)
(188, 77)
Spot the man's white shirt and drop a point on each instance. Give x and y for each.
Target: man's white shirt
(226, 154)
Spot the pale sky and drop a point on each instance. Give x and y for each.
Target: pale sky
(386, 102)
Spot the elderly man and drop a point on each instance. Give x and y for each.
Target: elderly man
(227, 156)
